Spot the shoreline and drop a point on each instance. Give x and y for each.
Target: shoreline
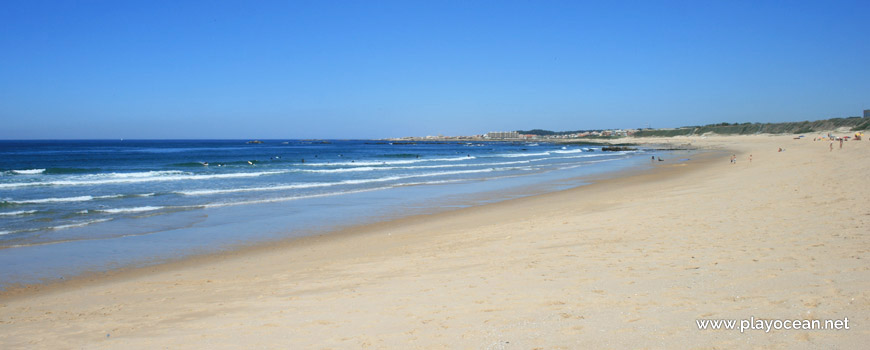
(161, 220)
(623, 262)
(18, 291)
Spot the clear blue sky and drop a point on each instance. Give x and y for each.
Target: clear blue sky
(370, 69)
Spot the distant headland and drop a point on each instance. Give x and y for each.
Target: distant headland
(843, 124)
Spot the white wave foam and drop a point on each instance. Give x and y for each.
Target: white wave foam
(392, 162)
(111, 196)
(129, 210)
(4, 233)
(338, 183)
(28, 171)
(284, 199)
(568, 151)
(594, 155)
(64, 199)
(255, 189)
(345, 170)
(54, 200)
(381, 168)
(440, 173)
(19, 212)
(517, 155)
(77, 224)
(136, 175)
(103, 179)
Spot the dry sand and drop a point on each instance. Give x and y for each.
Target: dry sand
(629, 262)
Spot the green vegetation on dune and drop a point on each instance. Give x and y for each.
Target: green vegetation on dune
(855, 123)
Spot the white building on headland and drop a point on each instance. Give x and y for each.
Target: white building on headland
(502, 135)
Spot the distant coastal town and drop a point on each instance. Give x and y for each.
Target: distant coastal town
(529, 135)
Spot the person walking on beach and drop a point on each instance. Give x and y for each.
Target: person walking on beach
(733, 159)
(750, 158)
(832, 146)
(841, 143)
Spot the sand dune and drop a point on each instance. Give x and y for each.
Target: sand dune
(629, 262)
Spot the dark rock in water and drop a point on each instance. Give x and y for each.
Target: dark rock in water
(254, 142)
(617, 148)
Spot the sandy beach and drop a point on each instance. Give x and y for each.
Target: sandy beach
(626, 262)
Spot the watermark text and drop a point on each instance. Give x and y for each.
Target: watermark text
(766, 325)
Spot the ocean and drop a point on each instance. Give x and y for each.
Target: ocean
(71, 207)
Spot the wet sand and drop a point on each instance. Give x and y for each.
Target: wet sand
(627, 262)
